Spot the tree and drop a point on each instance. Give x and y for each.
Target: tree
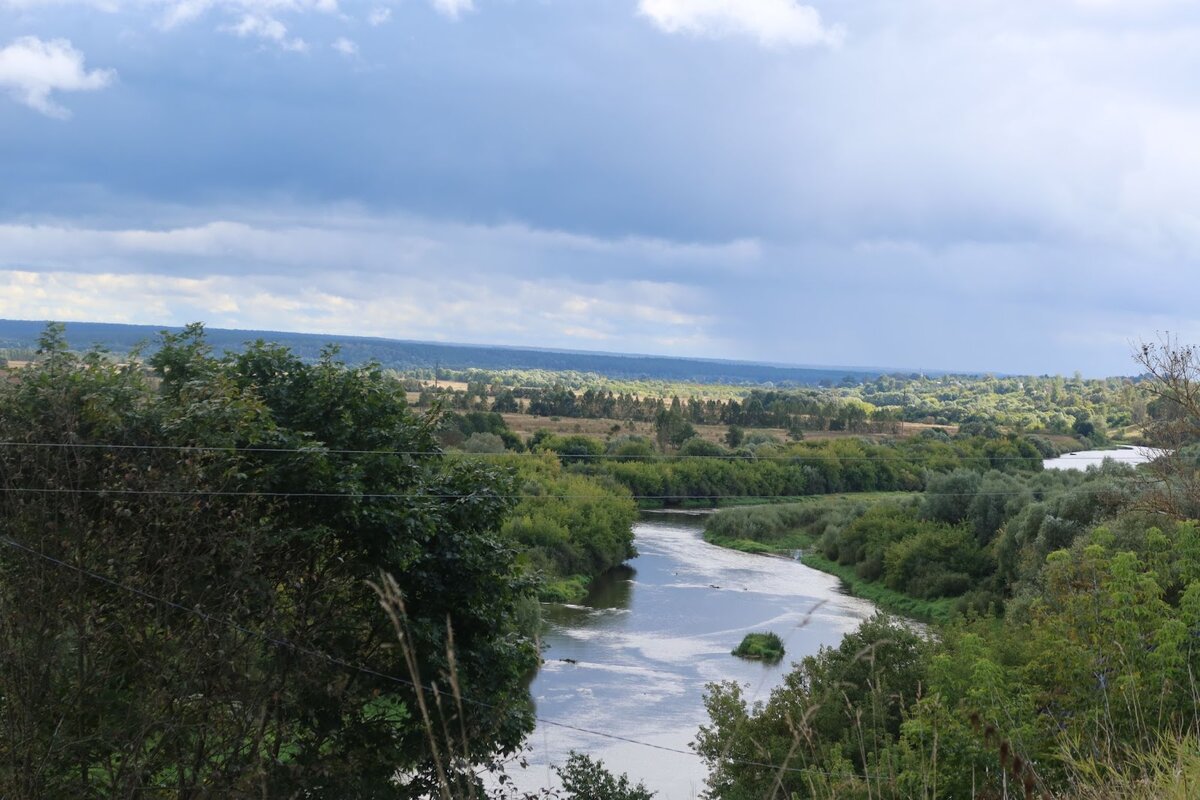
(586, 779)
(506, 402)
(735, 435)
(184, 598)
(1172, 485)
(671, 428)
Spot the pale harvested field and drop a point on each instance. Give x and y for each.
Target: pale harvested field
(526, 425)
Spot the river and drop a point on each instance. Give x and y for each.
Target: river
(633, 659)
(650, 636)
(1083, 459)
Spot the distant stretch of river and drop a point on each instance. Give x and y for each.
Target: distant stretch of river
(1094, 458)
(648, 639)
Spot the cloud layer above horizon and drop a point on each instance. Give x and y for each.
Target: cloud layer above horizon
(1008, 186)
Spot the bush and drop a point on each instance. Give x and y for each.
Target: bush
(483, 443)
(585, 779)
(702, 447)
(760, 647)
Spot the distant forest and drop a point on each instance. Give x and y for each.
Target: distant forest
(21, 335)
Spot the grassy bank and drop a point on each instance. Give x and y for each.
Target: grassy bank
(723, 502)
(784, 545)
(787, 529)
(940, 610)
(571, 589)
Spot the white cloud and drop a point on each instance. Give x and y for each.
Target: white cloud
(774, 23)
(267, 28)
(31, 69)
(453, 8)
(345, 46)
(378, 16)
(184, 11)
(481, 309)
(341, 272)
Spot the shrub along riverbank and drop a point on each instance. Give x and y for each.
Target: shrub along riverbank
(567, 528)
(955, 548)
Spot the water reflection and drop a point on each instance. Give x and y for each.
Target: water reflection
(634, 658)
(614, 589)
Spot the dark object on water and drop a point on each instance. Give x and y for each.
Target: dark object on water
(569, 660)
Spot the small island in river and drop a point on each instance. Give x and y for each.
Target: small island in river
(760, 647)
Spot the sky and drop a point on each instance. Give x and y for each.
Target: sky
(995, 185)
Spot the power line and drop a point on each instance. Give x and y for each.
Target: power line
(53, 490)
(281, 642)
(317, 449)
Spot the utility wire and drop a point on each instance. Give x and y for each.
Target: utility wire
(54, 490)
(317, 449)
(317, 654)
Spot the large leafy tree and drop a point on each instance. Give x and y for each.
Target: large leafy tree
(184, 599)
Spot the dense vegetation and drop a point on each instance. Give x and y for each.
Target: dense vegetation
(567, 528)
(972, 536)
(184, 582)
(775, 470)
(1084, 687)
(1085, 684)
(1091, 410)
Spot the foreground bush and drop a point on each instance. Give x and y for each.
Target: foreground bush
(183, 582)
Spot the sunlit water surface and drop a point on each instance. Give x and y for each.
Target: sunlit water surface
(646, 641)
(1094, 458)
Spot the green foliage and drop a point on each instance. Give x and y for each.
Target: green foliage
(459, 429)
(480, 443)
(568, 527)
(630, 448)
(586, 779)
(735, 436)
(308, 480)
(671, 428)
(760, 647)
(887, 599)
(1087, 692)
(702, 447)
(767, 469)
(570, 449)
(902, 551)
(937, 562)
(826, 716)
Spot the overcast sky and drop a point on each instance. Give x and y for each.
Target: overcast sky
(1007, 185)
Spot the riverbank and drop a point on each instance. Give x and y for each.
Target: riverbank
(935, 611)
(712, 504)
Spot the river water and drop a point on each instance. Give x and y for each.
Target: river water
(1093, 458)
(649, 637)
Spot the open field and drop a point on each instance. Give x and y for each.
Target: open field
(526, 425)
